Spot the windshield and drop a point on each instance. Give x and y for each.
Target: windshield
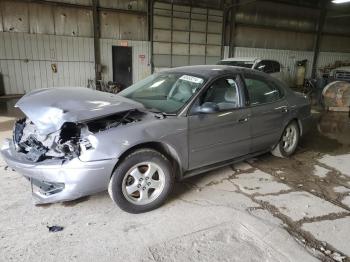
(164, 92)
(247, 64)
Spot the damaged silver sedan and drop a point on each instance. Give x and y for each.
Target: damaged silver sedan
(172, 125)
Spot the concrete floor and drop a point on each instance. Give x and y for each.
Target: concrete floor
(265, 209)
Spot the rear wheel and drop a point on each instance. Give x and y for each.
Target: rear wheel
(288, 142)
(142, 181)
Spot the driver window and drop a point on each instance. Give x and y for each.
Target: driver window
(224, 93)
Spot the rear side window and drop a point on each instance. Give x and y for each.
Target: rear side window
(261, 91)
(276, 66)
(265, 66)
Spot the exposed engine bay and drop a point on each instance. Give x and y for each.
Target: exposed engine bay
(67, 142)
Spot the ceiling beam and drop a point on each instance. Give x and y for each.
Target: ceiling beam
(79, 6)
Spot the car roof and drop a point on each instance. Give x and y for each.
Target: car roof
(210, 71)
(342, 68)
(244, 59)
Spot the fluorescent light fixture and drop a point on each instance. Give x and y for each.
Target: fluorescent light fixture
(340, 1)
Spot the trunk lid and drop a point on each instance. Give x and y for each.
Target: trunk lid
(49, 109)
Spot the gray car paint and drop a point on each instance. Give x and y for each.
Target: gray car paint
(192, 140)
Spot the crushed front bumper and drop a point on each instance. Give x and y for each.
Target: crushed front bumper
(59, 180)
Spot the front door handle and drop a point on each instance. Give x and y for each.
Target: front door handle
(283, 109)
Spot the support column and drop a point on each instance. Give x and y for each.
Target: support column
(316, 49)
(233, 10)
(150, 31)
(97, 51)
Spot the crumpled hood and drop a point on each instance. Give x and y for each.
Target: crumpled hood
(50, 108)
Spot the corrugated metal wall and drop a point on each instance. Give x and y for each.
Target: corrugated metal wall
(185, 35)
(288, 58)
(26, 61)
(140, 58)
(34, 37)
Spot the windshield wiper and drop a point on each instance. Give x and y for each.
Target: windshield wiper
(162, 114)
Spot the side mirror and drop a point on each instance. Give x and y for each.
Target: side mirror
(207, 108)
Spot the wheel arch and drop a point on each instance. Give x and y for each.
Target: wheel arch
(168, 151)
(300, 126)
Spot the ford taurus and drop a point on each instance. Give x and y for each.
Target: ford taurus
(172, 125)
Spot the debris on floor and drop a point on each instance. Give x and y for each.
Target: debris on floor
(55, 228)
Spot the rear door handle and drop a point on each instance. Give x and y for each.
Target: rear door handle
(242, 120)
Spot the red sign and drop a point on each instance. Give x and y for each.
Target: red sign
(123, 43)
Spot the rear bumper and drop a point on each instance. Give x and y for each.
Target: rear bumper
(306, 124)
(58, 180)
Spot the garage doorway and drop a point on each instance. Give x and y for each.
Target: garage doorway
(122, 65)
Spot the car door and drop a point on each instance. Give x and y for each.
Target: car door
(223, 134)
(269, 111)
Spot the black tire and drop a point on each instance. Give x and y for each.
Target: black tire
(115, 188)
(279, 150)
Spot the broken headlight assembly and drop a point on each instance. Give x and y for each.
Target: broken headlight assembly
(63, 144)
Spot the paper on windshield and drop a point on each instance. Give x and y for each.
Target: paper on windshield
(192, 79)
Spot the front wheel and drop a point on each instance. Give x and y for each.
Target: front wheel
(288, 142)
(142, 182)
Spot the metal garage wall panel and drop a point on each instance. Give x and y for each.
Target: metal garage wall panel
(197, 50)
(182, 8)
(78, 2)
(198, 26)
(162, 61)
(26, 60)
(162, 22)
(180, 49)
(123, 26)
(197, 60)
(195, 39)
(198, 38)
(1, 19)
(198, 10)
(179, 60)
(181, 14)
(41, 19)
(109, 25)
(212, 60)
(198, 17)
(66, 21)
(85, 23)
(15, 16)
(215, 18)
(161, 48)
(161, 35)
(274, 39)
(214, 27)
(330, 43)
(180, 37)
(214, 39)
(326, 58)
(181, 24)
(141, 59)
(132, 27)
(162, 12)
(213, 50)
(139, 5)
(161, 5)
(215, 12)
